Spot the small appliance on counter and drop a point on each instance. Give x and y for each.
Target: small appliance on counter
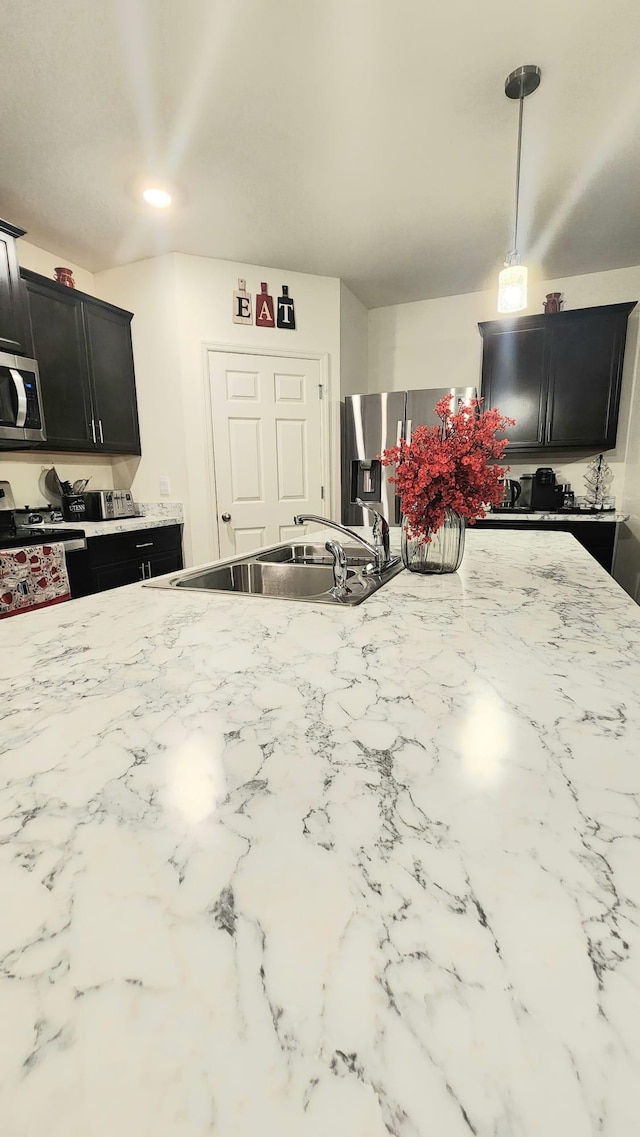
(544, 490)
(540, 491)
(109, 505)
(511, 492)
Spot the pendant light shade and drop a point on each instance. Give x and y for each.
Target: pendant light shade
(512, 288)
(512, 282)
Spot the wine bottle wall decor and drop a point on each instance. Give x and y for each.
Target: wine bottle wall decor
(264, 308)
(286, 310)
(242, 304)
(283, 317)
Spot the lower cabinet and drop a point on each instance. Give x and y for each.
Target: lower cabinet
(597, 537)
(125, 558)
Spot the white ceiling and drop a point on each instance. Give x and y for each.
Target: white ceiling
(356, 138)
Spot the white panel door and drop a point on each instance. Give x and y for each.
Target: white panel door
(267, 438)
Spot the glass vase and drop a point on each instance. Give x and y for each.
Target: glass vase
(443, 553)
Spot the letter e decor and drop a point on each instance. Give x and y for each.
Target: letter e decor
(242, 304)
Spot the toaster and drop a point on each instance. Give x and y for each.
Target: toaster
(107, 505)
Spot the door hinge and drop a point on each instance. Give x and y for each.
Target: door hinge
(320, 391)
(322, 493)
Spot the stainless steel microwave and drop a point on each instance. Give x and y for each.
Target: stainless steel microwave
(21, 417)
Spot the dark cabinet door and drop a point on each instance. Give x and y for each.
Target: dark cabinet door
(13, 324)
(559, 376)
(164, 562)
(104, 577)
(108, 333)
(57, 335)
(585, 378)
(514, 380)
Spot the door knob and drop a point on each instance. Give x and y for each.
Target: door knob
(226, 517)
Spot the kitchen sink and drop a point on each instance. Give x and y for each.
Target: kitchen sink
(288, 572)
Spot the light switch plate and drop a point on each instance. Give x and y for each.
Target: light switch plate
(165, 488)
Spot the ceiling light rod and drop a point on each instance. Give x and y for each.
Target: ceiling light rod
(512, 283)
(520, 83)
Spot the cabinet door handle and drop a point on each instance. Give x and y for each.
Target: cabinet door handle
(101, 434)
(145, 545)
(549, 431)
(142, 570)
(149, 569)
(93, 429)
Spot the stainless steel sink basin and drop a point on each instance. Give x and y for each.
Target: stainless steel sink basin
(289, 572)
(313, 555)
(297, 582)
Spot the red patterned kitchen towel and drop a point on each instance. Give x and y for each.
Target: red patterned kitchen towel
(32, 578)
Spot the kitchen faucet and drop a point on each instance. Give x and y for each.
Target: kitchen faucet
(379, 549)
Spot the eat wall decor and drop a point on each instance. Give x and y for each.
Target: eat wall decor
(266, 316)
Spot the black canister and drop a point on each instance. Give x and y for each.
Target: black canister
(74, 507)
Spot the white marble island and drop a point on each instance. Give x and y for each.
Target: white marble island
(289, 870)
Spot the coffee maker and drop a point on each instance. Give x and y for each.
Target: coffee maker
(544, 490)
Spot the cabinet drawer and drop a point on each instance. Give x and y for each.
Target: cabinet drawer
(138, 545)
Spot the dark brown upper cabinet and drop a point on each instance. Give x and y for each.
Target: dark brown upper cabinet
(84, 353)
(13, 324)
(108, 335)
(558, 376)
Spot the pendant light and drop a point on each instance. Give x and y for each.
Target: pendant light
(512, 282)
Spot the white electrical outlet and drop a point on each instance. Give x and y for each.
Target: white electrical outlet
(165, 488)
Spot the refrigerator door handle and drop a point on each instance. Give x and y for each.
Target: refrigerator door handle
(409, 430)
(399, 434)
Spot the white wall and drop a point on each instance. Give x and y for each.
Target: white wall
(23, 469)
(354, 343)
(148, 289)
(181, 303)
(38, 260)
(436, 343)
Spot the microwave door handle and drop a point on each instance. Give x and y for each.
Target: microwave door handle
(18, 383)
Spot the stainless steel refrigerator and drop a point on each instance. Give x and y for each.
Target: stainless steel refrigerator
(372, 423)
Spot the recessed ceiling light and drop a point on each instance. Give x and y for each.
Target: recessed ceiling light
(158, 197)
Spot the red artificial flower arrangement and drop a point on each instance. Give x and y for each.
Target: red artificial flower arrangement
(448, 467)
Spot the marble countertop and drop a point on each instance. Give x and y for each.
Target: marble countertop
(301, 871)
(515, 515)
(171, 515)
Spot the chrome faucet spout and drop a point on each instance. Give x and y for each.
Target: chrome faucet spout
(376, 550)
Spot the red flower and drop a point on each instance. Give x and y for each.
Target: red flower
(448, 467)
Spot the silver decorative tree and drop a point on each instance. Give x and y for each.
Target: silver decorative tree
(598, 479)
